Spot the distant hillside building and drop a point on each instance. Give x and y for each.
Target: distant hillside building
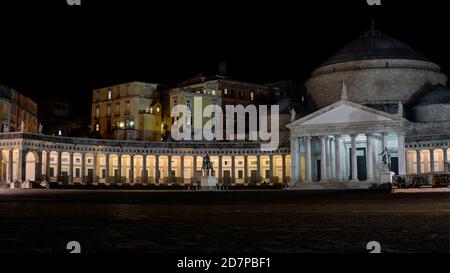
(17, 110)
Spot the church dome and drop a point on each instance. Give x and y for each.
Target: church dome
(438, 94)
(433, 105)
(374, 44)
(376, 69)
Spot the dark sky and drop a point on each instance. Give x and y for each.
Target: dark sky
(50, 49)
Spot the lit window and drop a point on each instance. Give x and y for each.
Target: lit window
(122, 124)
(213, 92)
(97, 111)
(97, 127)
(204, 91)
(251, 96)
(157, 109)
(225, 92)
(151, 110)
(109, 94)
(131, 123)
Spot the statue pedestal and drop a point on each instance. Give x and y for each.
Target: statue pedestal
(208, 182)
(386, 177)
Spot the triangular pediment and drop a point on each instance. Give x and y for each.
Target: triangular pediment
(343, 112)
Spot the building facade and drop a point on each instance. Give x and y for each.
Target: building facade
(375, 93)
(219, 91)
(17, 110)
(120, 112)
(37, 157)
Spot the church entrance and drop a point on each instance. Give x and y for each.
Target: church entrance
(394, 164)
(361, 163)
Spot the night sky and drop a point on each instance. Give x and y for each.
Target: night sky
(51, 49)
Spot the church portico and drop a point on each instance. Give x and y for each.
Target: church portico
(343, 142)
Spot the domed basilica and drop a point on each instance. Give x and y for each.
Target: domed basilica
(374, 94)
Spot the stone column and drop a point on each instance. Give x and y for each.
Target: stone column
(194, 163)
(144, 178)
(337, 155)
(169, 167)
(270, 167)
(431, 160)
(47, 166)
(295, 170)
(329, 159)
(220, 168)
(157, 174)
(70, 167)
(22, 165)
(107, 168)
(308, 162)
(119, 169)
(233, 169)
(258, 168)
(370, 157)
(1, 164)
(401, 154)
(182, 168)
(323, 161)
(354, 159)
(58, 169)
(445, 150)
(83, 167)
(418, 158)
(95, 170)
(38, 166)
(131, 174)
(333, 158)
(246, 168)
(384, 140)
(10, 166)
